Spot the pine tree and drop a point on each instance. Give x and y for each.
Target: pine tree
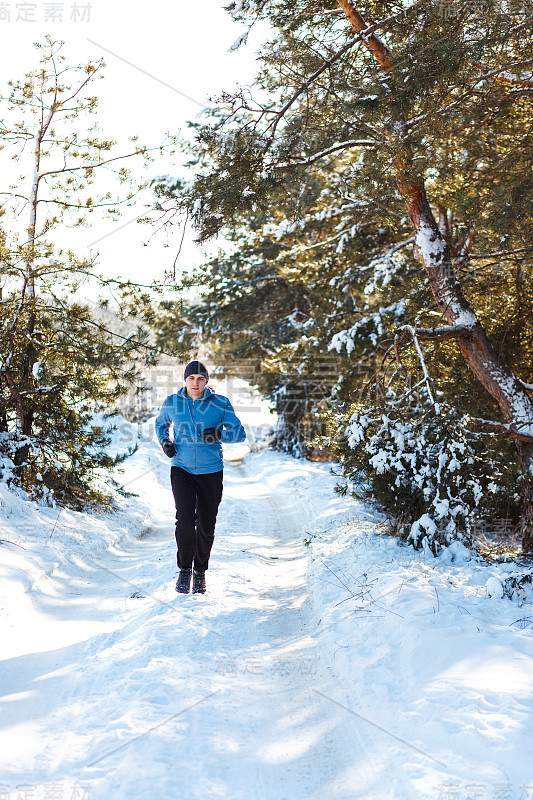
(58, 362)
(421, 113)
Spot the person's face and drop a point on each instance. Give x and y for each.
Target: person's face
(195, 385)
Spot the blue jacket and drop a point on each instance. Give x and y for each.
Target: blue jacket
(189, 418)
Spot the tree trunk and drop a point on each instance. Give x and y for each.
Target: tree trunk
(525, 452)
(24, 414)
(511, 397)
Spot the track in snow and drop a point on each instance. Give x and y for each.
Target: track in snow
(152, 694)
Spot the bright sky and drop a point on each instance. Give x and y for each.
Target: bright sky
(163, 59)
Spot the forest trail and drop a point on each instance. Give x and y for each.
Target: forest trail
(327, 658)
(225, 695)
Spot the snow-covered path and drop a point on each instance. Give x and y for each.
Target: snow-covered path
(182, 696)
(325, 660)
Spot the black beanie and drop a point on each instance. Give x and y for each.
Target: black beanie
(195, 368)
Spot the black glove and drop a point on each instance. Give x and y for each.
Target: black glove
(168, 448)
(211, 435)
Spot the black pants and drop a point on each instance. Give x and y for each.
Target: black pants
(197, 498)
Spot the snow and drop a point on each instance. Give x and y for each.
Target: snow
(462, 317)
(422, 525)
(521, 404)
(430, 244)
(494, 587)
(241, 39)
(346, 338)
(327, 659)
(37, 370)
(433, 248)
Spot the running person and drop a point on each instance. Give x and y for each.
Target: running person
(201, 421)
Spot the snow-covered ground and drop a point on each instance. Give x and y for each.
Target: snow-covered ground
(325, 660)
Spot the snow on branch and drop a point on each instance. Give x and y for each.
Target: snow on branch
(304, 161)
(503, 74)
(445, 332)
(240, 40)
(345, 338)
(505, 428)
(433, 249)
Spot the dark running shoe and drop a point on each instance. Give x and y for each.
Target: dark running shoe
(183, 584)
(198, 583)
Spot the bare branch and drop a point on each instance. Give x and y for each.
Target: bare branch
(504, 428)
(304, 162)
(413, 333)
(439, 334)
(503, 74)
(281, 113)
(138, 151)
